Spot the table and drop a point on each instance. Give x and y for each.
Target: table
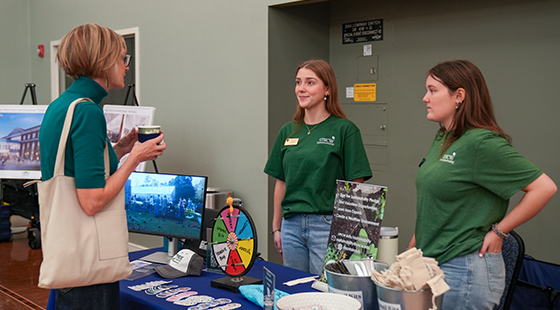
(139, 300)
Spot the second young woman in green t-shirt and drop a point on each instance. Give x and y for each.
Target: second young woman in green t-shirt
(464, 186)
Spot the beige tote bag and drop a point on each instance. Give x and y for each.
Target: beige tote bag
(78, 249)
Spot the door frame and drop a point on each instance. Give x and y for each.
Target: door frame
(55, 71)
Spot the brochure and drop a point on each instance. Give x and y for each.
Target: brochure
(356, 225)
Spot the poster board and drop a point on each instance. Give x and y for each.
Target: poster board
(121, 119)
(356, 225)
(20, 157)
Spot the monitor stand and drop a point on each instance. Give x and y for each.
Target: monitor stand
(163, 257)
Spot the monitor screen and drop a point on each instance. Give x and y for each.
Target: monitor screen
(169, 205)
(20, 157)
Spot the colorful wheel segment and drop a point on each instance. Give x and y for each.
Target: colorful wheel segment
(234, 241)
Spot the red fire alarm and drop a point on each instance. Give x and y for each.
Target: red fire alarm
(41, 50)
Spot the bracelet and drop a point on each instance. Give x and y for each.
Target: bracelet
(498, 232)
(275, 231)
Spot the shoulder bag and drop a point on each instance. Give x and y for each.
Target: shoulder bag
(78, 249)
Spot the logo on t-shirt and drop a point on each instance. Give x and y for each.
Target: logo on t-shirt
(448, 158)
(329, 141)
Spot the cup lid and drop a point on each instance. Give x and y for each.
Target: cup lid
(389, 231)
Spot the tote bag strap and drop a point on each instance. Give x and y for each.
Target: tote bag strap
(107, 160)
(59, 163)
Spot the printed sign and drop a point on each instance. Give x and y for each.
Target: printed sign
(366, 31)
(356, 225)
(365, 92)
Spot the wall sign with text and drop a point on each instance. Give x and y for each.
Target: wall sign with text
(366, 31)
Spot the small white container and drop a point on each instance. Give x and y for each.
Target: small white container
(388, 246)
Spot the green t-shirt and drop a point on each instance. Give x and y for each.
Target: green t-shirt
(466, 190)
(84, 157)
(310, 167)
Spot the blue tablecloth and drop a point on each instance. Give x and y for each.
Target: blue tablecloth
(138, 300)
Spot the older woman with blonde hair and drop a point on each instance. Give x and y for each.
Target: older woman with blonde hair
(95, 57)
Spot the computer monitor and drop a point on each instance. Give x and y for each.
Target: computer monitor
(168, 205)
(20, 157)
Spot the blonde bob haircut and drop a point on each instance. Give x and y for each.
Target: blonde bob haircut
(90, 50)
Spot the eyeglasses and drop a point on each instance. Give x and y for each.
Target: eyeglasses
(126, 60)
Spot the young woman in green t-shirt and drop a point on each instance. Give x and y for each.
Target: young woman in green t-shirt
(319, 146)
(464, 185)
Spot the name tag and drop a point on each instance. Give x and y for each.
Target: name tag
(292, 141)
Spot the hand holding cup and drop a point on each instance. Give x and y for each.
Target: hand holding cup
(146, 133)
(145, 149)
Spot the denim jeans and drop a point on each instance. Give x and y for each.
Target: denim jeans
(104, 296)
(475, 282)
(304, 241)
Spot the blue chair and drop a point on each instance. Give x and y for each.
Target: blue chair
(513, 250)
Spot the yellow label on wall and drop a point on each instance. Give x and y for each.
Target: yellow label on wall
(365, 92)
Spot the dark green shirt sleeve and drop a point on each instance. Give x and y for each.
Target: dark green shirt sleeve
(356, 163)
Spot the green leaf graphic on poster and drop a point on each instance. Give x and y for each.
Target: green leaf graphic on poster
(366, 249)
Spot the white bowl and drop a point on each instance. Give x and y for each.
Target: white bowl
(327, 301)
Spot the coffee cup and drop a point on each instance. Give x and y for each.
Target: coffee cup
(146, 133)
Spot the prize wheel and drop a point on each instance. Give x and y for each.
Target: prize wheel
(234, 241)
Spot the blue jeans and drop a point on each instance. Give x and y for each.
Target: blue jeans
(94, 297)
(304, 241)
(475, 282)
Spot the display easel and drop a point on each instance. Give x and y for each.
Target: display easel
(31, 88)
(131, 88)
(33, 235)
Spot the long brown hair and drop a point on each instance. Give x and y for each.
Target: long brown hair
(476, 110)
(325, 73)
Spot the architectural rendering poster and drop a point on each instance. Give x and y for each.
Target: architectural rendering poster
(356, 225)
(20, 157)
(121, 119)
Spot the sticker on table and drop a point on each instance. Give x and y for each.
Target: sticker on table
(213, 303)
(147, 285)
(172, 292)
(160, 288)
(227, 307)
(191, 301)
(180, 296)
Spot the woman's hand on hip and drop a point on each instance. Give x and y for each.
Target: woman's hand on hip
(492, 243)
